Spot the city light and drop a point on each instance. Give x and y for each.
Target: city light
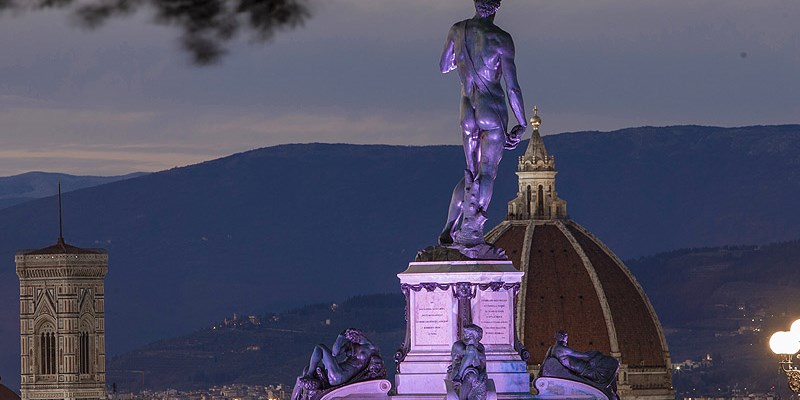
(784, 342)
(787, 345)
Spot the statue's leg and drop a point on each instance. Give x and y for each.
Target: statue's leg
(297, 392)
(322, 353)
(467, 385)
(453, 214)
(470, 135)
(491, 151)
(336, 375)
(316, 356)
(471, 139)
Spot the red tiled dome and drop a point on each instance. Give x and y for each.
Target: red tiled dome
(573, 282)
(7, 394)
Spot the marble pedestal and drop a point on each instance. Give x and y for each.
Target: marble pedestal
(367, 390)
(565, 389)
(438, 295)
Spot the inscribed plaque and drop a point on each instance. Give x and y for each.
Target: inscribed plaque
(432, 318)
(495, 317)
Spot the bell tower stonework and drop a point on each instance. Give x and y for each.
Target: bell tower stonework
(62, 330)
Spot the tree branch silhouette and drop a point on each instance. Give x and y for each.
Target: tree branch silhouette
(206, 25)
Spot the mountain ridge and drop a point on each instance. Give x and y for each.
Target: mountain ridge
(20, 188)
(294, 224)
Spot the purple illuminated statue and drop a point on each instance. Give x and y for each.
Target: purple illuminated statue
(592, 368)
(483, 55)
(353, 358)
(467, 370)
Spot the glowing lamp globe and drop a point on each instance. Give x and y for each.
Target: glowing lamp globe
(795, 329)
(785, 342)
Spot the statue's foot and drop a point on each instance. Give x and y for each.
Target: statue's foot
(481, 251)
(468, 238)
(471, 231)
(445, 239)
(440, 253)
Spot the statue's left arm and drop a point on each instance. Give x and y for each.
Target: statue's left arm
(569, 352)
(457, 353)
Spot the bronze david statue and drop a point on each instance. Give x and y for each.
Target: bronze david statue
(483, 55)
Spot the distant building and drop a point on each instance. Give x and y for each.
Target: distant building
(62, 332)
(575, 283)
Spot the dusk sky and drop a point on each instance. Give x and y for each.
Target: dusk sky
(126, 98)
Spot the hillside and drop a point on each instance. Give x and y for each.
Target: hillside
(35, 185)
(649, 190)
(270, 348)
(732, 281)
(279, 227)
(726, 302)
(726, 316)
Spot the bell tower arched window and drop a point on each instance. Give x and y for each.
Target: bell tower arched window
(85, 339)
(47, 351)
(540, 202)
(83, 352)
(528, 203)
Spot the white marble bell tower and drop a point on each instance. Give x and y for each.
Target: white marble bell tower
(62, 321)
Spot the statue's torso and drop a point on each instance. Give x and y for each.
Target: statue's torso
(569, 358)
(479, 48)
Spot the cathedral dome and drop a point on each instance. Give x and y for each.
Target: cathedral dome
(573, 282)
(7, 394)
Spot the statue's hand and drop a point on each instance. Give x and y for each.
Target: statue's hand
(514, 137)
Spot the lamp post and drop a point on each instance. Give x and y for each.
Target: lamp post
(786, 344)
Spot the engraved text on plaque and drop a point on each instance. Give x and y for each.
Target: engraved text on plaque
(432, 317)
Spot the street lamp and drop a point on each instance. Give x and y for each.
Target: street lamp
(786, 344)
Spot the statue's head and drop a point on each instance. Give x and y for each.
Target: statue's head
(486, 8)
(354, 335)
(472, 334)
(346, 340)
(561, 336)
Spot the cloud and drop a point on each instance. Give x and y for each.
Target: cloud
(108, 142)
(366, 72)
(45, 126)
(95, 161)
(336, 126)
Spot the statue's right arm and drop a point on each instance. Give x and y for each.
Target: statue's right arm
(510, 76)
(448, 61)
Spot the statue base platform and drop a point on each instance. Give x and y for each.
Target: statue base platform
(565, 389)
(435, 290)
(367, 390)
(491, 392)
(458, 252)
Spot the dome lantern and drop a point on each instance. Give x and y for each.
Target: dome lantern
(536, 194)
